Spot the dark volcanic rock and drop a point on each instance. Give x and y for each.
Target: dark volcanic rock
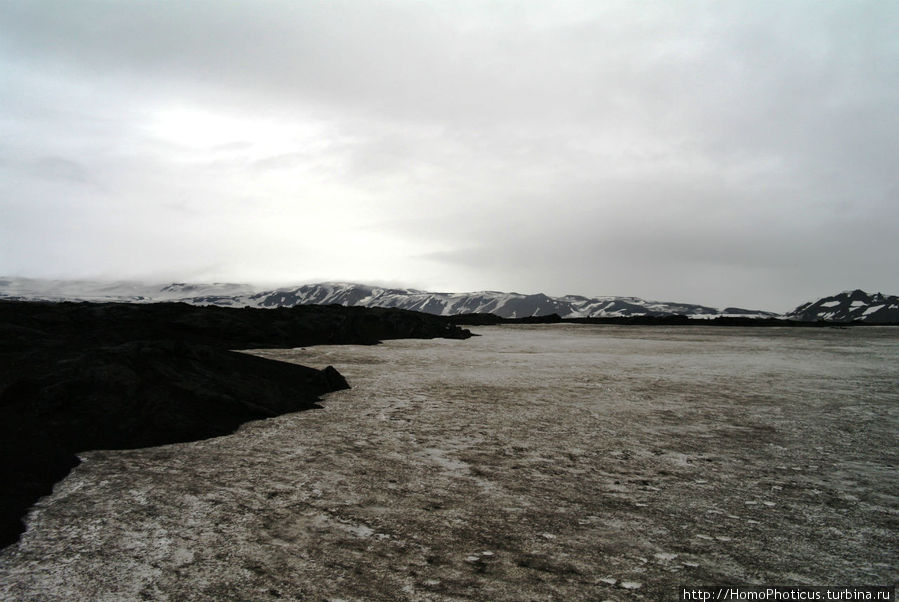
(476, 319)
(97, 376)
(106, 323)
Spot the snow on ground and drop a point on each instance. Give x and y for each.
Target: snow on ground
(533, 462)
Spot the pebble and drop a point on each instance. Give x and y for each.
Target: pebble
(485, 555)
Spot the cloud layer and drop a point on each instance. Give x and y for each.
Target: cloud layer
(720, 153)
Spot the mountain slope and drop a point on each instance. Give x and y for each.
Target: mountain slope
(848, 306)
(843, 307)
(33, 289)
(507, 305)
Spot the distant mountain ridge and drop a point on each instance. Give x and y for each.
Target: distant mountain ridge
(507, 305)
(849, 306)
(844, 307)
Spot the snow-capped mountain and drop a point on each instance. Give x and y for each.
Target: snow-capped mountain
(843, 307)
(507, 305)
(123, 291)
(848, 306)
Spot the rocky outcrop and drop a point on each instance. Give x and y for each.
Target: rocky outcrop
(850, 306)
(98, 376)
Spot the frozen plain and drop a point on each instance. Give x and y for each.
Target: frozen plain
(562, 462)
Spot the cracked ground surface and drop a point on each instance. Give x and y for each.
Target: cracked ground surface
(562, 462)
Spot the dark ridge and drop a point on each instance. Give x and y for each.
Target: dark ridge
(673, 320)
(478, 319)
(849, 306)
(80, 376)
(548, 319)
(489, 319)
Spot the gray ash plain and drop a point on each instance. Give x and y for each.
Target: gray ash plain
(543, 462)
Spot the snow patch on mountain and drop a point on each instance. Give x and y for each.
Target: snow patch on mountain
(848, 306)
(33, 289)
(507, 305)
(842, 307)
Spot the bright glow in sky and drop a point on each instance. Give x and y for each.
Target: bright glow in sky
(724, 153)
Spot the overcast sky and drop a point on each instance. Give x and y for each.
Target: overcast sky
(721, 152)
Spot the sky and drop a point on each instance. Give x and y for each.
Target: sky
(716, 152)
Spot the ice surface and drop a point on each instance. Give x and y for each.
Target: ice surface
(533, 462)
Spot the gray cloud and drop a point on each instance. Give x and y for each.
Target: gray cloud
(59, 168)
(724, 153)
